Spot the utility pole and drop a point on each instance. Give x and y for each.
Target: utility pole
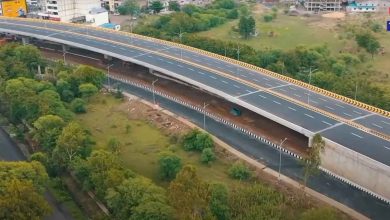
(308, 94)
(204, 115)
(356, 88)
(280, 157)
(64, 54)
(108, 76)
(131, 31)
(181, 49)
(154, 91)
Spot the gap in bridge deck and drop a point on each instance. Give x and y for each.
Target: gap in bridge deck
(254, 122)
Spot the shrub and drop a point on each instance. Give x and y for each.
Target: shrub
(207, 156)
(196, 140)
(170, 164)
(239, 171)
(268, 18)
(78, 105)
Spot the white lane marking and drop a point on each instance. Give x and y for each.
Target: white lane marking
(268, 84)
(236, 86)
(255, 80)
(191, 69)
(313, 101)
(310, 116)
(170, 62)
(179, 65)
(364, 116)
(385, 122)
(196, 60)
(388, 148)
(249, 93)
(262, 96)
(244, 76)
(323, 99)
(160, 59)
(292, 88)
(297, 95)
(326, 123)
(329, 107)
(122, 48)
(292, 109)
(377, 125)
(200, 73)
(357, 112)
(213, 77)
(277, 102)
(339, 105)
(113, 46)
(149, 56)
(225, 82)
(347, 114)
(283, 90)
(249, 90)
(356, 135)
(266, 79)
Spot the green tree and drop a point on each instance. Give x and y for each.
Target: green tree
(46, 131)
(156, 6)
(135, 192)
(49, 103)
(78, 105)
(130, 7)
(219, 201)
(152, 211)
(239, 171)
(368, 42)
(207, 156)
(19, 199)
(87, 90)
(246, 26)
(233, 14)
(170, 164)
(72, 142)
(174, 6)
(189, 195)
(197, 140)
(313, 159)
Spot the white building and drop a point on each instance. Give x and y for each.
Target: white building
(75, 11)
(165, 3)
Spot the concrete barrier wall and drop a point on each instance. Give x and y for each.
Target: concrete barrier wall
(364, 173)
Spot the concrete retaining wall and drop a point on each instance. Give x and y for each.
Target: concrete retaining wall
(357, 170)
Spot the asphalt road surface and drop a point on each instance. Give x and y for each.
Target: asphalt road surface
(291, 167)
(207, 71)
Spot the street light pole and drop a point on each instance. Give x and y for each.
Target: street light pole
(181, 49)
(280, 157)
(238, 55)
(64, 53)
(108, 76)
(308, 94)
(131, 32)
(204, 115)
(356, 88)
(154, 96)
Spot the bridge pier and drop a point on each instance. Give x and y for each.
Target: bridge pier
(151, 70)
(25, 40)
(107, 57)
(65, 48)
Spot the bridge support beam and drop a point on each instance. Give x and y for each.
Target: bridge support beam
(65, 48)
(25, 40)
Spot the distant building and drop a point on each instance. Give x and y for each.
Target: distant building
(322, 5)
(362, 7)
(112, 4)
(79, 11)
(13, 8)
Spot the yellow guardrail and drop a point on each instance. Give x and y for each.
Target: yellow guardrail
(240, 63)
(238, 79)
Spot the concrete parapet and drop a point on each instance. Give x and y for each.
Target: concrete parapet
(367, 174)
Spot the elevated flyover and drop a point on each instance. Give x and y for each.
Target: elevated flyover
(358, 132)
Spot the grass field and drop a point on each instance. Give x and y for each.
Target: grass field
(143, 143)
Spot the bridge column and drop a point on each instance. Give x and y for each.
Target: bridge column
(107, 57)
(65, 48)
(151, 70)
(25, 40)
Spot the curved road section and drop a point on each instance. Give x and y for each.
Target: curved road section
(300, 109)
